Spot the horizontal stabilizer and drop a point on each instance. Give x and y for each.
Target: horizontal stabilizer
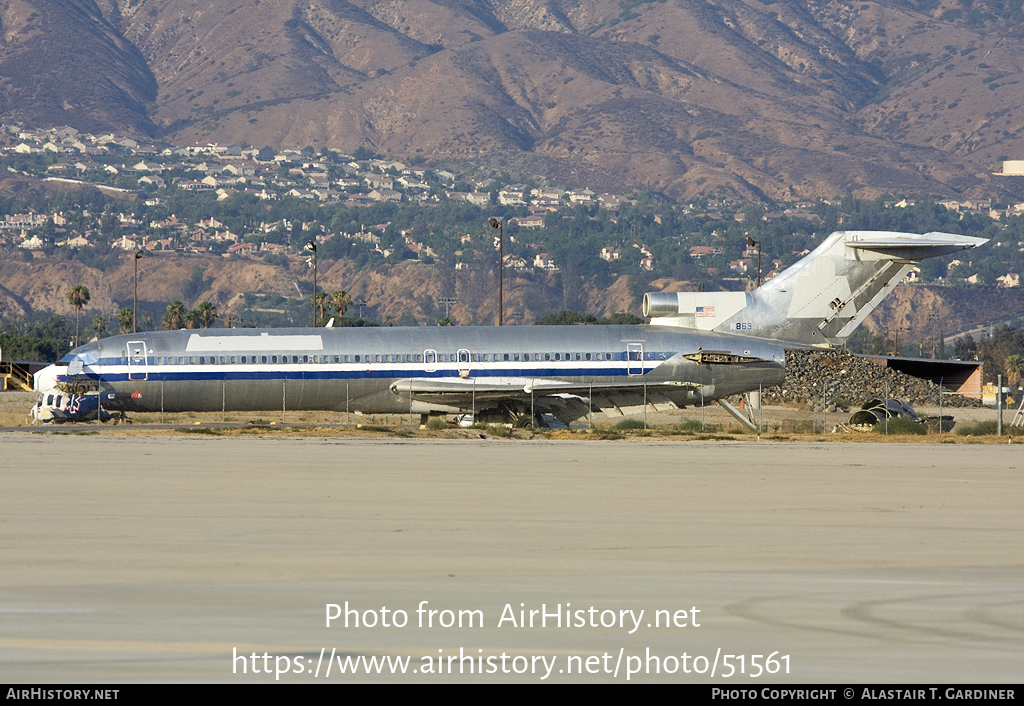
(881, 239)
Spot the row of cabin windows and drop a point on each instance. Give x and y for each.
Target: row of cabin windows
(430, 357)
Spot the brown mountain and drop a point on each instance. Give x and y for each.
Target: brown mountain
(393, 290)
(67, 63)
(390, 290)
(784, 99)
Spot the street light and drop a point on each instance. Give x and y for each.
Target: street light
(135, 297)
(311, 246)
(751, 242)
(495, 223)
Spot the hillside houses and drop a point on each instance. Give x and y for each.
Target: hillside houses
(699, 251)
(270, 174)
(300, 182)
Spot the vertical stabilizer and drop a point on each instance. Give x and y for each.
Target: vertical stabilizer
(821, 299)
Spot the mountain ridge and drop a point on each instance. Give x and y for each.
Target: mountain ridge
(751, 100)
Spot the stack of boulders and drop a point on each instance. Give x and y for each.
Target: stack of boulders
(849, 381)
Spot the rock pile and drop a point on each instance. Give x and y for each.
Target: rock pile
(849, 381)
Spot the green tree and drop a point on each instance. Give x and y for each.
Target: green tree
(174, 318)
(205, 314)
(110, 226)
(100, 324)
(1014, 366)
(78, 297)
(320, 303)
(124, 319)
(566, 318)
(341, 301)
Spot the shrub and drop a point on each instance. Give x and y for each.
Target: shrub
(629, 424)
(437, 423)
(900, 425)
(979, 429)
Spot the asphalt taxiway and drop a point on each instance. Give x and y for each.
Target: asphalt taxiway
(166, 558)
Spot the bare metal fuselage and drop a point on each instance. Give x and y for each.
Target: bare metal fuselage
(700, 347)
(422, 370)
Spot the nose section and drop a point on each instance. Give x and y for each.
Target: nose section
(47, 377)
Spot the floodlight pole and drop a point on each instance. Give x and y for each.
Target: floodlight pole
(311, 245)
(135, 297)
(495, 223)
(752, 242)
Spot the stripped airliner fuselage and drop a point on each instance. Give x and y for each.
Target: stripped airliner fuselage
(700, 347)
(428, 370)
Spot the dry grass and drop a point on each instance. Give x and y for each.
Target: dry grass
(785, 425)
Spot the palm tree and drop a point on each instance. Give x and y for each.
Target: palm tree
(1014, 365)
(320, 303)
(100, 324)
(341, 301)
(78, 297)
(175, 316)
(206, 314)
(124, 319)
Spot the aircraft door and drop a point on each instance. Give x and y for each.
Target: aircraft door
(464, 357)
(634, 358)
(430, 360)
(138, 363)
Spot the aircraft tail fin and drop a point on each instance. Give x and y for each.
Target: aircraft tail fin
(821, 299)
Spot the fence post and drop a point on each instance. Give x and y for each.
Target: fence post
(999, 405)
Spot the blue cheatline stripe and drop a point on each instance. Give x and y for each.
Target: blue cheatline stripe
(122, 375)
